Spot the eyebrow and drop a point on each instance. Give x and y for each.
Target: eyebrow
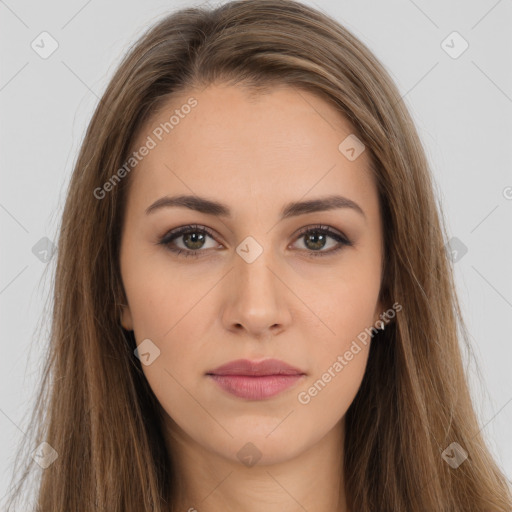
(293, 209)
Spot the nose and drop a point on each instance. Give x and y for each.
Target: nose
(256, 298)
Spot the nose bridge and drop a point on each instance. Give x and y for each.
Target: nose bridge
(252, 270)
(255, 300)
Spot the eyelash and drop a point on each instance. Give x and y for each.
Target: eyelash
(184, 230)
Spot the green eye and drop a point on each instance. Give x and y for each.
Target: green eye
(194, 237)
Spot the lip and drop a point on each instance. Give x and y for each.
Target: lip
(256, 380)
(251, 368)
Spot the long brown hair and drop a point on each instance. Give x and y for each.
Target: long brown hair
(95, 407)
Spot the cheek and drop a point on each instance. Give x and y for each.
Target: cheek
(160, 298)
(338, 360)
(166, 309)
(347, 306)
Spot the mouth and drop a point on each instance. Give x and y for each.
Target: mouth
(256, 380)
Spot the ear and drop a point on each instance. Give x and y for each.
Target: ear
(126, 318)
(378, 311)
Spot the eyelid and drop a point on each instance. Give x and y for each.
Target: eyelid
(172, 234)
(324, 228)
(175, 233)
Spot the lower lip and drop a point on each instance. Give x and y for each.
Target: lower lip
(257, 387)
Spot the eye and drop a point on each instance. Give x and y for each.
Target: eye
(315, 238)
(193, 238)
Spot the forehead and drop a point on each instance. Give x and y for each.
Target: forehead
(283, 142)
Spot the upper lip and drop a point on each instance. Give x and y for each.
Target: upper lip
(248, 367)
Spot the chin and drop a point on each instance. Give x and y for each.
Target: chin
(256, 447)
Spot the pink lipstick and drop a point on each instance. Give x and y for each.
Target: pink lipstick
(255, 380)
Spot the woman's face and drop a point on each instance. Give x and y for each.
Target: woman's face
(258, 287)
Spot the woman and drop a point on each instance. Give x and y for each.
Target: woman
(253, 305)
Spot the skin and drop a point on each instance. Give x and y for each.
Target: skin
(255, 154)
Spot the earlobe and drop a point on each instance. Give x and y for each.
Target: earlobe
(126, 318)
(378, 311)
(378, 319)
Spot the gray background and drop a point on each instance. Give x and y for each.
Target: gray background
(462, 107)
